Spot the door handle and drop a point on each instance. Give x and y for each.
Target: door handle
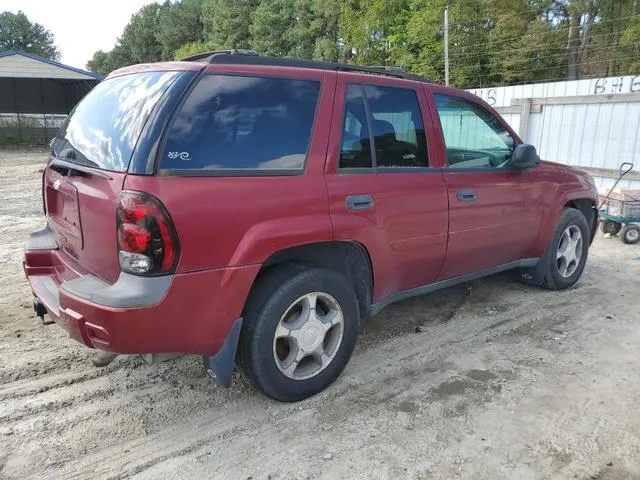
(466, 195)
(359, 202)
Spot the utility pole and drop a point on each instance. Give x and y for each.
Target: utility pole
(446, 46)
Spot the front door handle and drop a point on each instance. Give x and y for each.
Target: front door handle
(466, 195)
(359, 202)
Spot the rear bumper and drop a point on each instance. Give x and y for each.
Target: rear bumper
(187, 313)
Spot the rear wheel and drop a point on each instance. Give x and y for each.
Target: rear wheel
(566, 255)
(630, 234)
(300, 328)
(610, 227)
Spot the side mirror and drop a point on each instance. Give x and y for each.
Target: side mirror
(525, 156)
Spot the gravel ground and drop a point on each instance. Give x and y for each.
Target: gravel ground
(493, 380)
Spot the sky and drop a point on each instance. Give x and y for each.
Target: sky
(79, 27)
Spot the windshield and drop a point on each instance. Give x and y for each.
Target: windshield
(103, 129)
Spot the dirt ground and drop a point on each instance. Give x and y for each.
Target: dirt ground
(493, 380)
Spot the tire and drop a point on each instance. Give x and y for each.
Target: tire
(290, 290)
(630, 234)
(558, 273)
(610, 227)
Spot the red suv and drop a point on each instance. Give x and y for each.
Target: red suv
(254, 210)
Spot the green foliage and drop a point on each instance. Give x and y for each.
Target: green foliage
(179, 23)
(373, 29)
(324, 29)
(18, 33)
(226, 22)
(193, 48)
(491, 42)
(139, 38)
(272, 27)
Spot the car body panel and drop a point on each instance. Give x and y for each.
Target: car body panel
(405, 232)
(514, 211)
(416, 234)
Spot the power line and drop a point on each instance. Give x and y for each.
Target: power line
(552, 68)
(532, 47)
(495, 17)
(512, 39)
(552, 55)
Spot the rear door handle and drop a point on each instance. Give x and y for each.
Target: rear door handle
(466, 195)
(359, 202)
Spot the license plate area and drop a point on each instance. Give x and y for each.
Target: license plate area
(63, 212)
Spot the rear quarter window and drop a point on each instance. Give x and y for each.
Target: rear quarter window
(243, 124)
(104, 127)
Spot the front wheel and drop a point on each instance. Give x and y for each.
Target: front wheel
(300, 328)
(567, 252)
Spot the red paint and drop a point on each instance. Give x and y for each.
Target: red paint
(91, 241)
(417, 232)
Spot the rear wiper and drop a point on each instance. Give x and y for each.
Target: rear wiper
(69, 169)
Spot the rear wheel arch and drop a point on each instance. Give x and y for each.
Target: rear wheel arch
(350, 259)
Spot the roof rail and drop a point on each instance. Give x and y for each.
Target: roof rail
(249, 57)
(391, 71)
(208, 55)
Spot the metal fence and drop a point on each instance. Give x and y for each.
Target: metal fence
(29, 128)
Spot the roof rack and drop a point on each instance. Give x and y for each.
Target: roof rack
(208, 55)
(250, 57)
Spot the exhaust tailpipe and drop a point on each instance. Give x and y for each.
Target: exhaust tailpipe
(41, 311)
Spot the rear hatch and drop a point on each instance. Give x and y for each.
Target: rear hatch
(88, 164)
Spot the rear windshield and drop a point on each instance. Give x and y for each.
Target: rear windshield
(103, 129)
(246, 124)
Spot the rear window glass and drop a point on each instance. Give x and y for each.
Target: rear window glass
(233, 122)
(103, 129)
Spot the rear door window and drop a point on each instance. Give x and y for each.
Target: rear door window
(355, 151)
(398, 132)
(382, 129)
(246, 124)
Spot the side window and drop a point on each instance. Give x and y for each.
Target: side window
(232, 122)
(355, 149)
(398, 131)
(473, 136)
(395, 127)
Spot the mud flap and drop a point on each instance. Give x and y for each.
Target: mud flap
(220, 366)
(535, 275)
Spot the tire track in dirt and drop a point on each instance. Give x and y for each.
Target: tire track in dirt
(367, 382)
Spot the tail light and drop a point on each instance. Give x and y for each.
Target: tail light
(147, 240)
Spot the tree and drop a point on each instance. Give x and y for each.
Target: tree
(193, 48)
(525, 43)
(99, 63)
(179, 23)
(226, 22)
(373, 29)
(139, 39)
(18, 33)
(582, 14)
(273, 27)
(324, 29)
(302, 38)
(491, 42)
(137, 44)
